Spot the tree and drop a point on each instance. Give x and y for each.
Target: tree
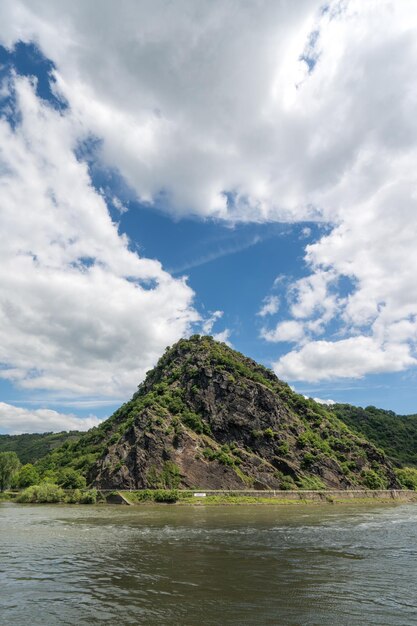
(9, 466)
(69, 478)
(28, 475)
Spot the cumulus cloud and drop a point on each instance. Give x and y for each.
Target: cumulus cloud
(79, 312)
(347, 358)
(269, 306)
(290, 330)
(15, 420)
(263, 111)
(189, 98)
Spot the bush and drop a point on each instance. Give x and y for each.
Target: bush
(407, 477)
(194, 421)
(223, 456)
(28, 475)
(287, 484)
(88, 497)
(166, 495)
(284, 448)
(372, 480)
(69, 478)
(73, 497)
(46, 492)
(312, 483)
(308, 460)
(168, 478)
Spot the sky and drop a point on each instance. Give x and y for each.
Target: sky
(240, 169)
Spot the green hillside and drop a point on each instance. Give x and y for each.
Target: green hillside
(207, 416)
(32, 447)
(395, 434)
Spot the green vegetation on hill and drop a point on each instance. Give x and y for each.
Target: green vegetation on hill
(31, 447)
(207, 416)
(395, 434)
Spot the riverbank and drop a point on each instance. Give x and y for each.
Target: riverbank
(211, 497)
(208, 497)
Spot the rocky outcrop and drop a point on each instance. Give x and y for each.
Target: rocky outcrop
(208, 417)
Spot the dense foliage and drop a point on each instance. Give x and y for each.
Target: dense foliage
(31, 447)
(407, 477)
(51, 493)
(395, 434)
(9, 466)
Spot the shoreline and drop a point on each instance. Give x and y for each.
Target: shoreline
(235, 497)
(269, 498)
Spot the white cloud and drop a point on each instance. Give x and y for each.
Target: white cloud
(270, 306)
(200, 100)
(79, 312)
(188, 98)
(223, 336)
(348, 358)
(327, 402)
(207, 327)
(208, 323)
(15, 420)
(290, 330)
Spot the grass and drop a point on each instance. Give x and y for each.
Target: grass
(188, 498)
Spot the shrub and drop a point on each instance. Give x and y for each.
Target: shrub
(46, 492)
(222, 456)
(88, 497)
(372, 480)
(308, 460)
(73, 497)
(407, 477)
(312, 483)
(69, 478)
(287, 484)
(284, 448)
(166, 495)
(194, 421)
(171, 476)
(28, 475)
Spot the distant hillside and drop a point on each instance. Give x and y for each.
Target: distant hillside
(395, 434)
(208, 417)
(31, 447)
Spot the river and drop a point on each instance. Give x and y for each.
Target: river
(301, 565)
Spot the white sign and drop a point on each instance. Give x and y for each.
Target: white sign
(200, 495)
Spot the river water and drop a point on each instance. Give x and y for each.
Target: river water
(297, 565)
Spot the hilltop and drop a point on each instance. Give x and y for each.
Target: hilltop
(207, 416)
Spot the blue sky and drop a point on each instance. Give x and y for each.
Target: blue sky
(152, 196)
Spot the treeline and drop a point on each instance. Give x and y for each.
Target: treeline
(395, 434)
(32, 447)
(62, 485)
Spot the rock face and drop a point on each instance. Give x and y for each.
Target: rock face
(208, 417)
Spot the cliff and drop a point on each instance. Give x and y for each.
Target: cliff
(208, 417)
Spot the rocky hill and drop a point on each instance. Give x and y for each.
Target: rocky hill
(208, 417)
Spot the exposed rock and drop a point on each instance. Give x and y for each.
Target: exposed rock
(208, 417)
